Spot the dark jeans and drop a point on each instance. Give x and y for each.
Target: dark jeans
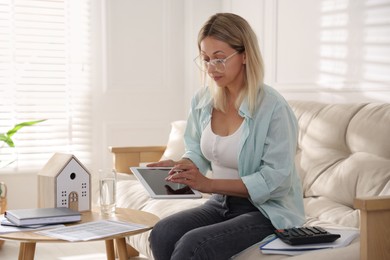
(219, 229)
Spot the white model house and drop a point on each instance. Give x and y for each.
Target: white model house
(64, 182)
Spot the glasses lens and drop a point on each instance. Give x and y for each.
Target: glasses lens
(219, 65)
(201, 63)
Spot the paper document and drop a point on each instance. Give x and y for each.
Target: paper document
(277, 246)
(91, 230)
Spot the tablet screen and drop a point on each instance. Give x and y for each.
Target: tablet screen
(153, 179)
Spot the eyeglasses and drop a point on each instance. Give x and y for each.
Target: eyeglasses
(218, 64)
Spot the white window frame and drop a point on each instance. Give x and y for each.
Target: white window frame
(46, 73)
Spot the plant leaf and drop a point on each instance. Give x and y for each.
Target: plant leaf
(7, 137)
(17, 127)
(7, 140)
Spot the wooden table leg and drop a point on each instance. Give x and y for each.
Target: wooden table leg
(131, 251)
(110, 251)
(27, 251)
(121, 247)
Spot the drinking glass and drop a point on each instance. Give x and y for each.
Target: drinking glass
(107, 188)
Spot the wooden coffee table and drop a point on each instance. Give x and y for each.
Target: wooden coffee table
(29, 239)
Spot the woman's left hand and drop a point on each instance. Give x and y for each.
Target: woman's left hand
(190, 175)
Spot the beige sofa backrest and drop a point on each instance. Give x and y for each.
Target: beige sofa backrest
(343, 153)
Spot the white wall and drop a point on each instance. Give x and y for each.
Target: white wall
(148, 74)
(142, 75)
(327, 50)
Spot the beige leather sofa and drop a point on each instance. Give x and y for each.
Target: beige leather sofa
(344, 164)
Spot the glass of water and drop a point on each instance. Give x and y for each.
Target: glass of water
(107, 188)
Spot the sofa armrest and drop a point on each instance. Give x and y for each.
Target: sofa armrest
(125, 157)
(374, 227)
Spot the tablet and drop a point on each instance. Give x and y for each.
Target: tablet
(153, 180)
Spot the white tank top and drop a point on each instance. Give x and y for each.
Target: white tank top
(222, 152)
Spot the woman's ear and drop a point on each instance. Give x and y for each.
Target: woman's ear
(244, 58)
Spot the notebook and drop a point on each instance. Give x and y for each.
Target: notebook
(35, 216)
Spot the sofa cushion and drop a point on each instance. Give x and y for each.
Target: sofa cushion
(342, 154)
(175, 145)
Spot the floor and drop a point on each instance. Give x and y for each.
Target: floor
(60, 251)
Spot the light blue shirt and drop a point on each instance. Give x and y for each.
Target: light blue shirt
(266, 154)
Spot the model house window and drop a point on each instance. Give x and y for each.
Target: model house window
(45, 73)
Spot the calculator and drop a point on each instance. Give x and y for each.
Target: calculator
(306, 235)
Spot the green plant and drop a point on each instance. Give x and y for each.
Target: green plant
(6, 138)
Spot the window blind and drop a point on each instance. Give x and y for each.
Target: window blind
(45, 73)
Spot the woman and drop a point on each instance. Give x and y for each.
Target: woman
(245, 132)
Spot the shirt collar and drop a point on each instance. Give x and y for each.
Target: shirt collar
(244, 109)
(206, 101)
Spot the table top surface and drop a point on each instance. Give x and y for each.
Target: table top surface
(121, 214)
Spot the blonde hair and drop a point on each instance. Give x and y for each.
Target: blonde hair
(238, 34)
